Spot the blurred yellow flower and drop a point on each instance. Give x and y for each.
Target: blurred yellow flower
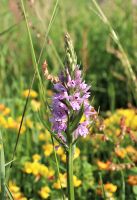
(77, 182)
(2, 107)
(3, 121)
(16, 193)
(60, 151)
(121, 152)
(109, 187)
(6, 111)
(77, 153)
(33, 93)
(63, 158)
(63, 181)
(132, 180)
(103, 165)
(130, 150)
(28, 167)
(43, 170)
(36, 157)
(44, 192)
(29, 123)
(44, 136)
(35, 105)
(48, 149)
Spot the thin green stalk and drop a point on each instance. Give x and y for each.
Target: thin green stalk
(2, 170)
(34, 75)
(32, 50)
(123, 186)
(70, 184)
(58, 171)
(128, 68)
(102, 186)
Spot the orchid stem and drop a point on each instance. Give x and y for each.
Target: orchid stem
(70, 173)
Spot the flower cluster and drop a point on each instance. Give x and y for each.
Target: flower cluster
(71, 95)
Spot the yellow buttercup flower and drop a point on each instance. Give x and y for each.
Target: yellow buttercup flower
(63, 181)
(33, 94)
(6, 111)
(2, 107)
(3, 121)
(29, 123)
(44, 192)
(63, 158)
(35, 105)
(110, 187)
(60, 151)
(13, 187)
(48, 149)
(16, 193)
(36, 157)
(103, 165)
(28, 167)
(77, 182)
(121, 152)
(43, 170)
(77, 153)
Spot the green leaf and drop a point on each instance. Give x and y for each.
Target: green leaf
(135, 189)
(2, 168)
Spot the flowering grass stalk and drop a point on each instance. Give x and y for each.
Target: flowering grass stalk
(71, 111)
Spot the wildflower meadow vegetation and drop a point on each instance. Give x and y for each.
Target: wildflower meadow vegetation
(68, 100)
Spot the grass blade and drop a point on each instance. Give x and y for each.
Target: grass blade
(8, 193)
(124, 58)
(2, 169)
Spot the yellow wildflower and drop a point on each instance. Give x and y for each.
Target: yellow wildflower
(11, 123)
(29, 123)
(83, 118)
(33, 94)
(35, 168)
(110, 187)
(3, 121)
(2, 107)
(43, 170)
(35, 105)
(63, 158)
(38, 126)
(121, 152)
(6, 111)
(60, 151)
(131, 150)
(16, 193)
(77, 153)
(51, 173)
(44, 192)
(132, 180)
(76, 181)
(42, 136)
(63, 181)
(28, 167)
(36, 157)
(48, 149)
(13, 187)
(103, 165)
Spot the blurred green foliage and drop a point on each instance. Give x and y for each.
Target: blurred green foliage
(92, 42)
